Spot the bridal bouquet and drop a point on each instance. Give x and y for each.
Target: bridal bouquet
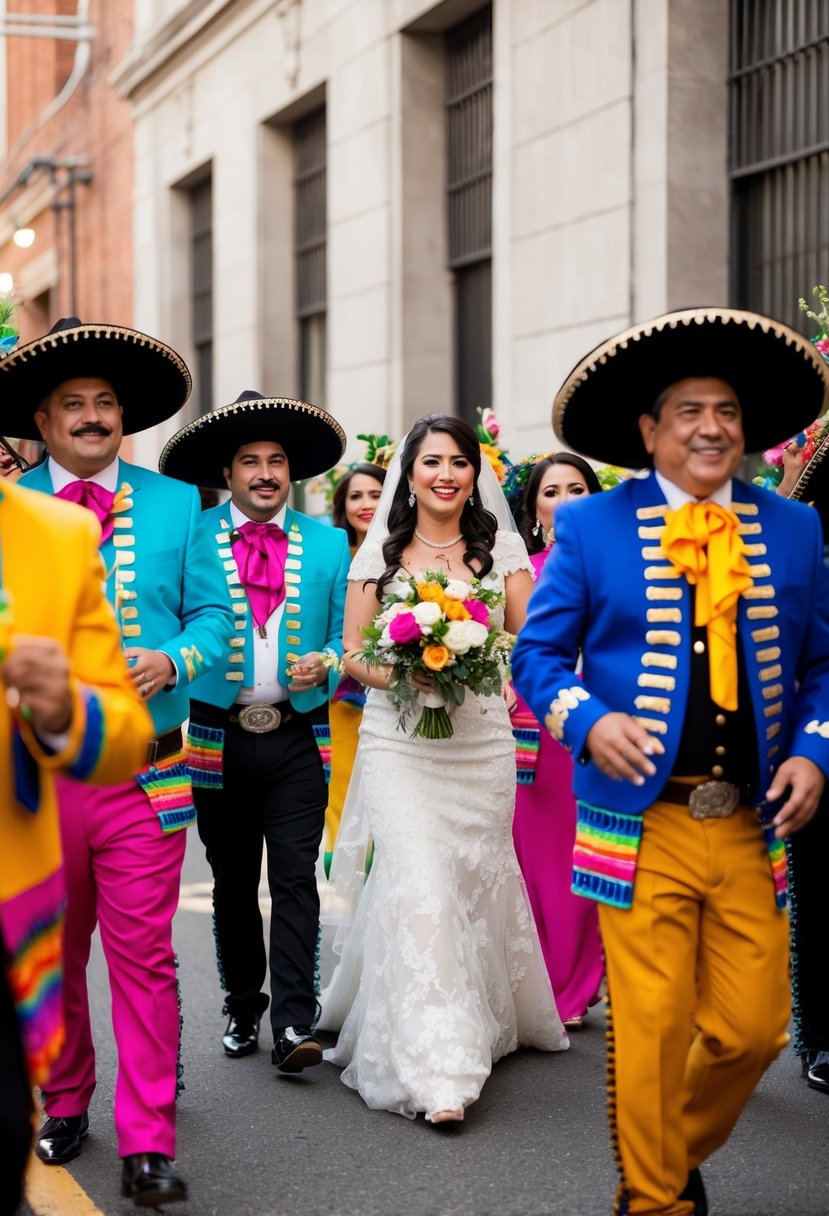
(442, 627)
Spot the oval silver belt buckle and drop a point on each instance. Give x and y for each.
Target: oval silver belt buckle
(714, 800)
(260, 718)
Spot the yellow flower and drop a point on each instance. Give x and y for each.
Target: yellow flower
(435, 657)
(493, 455)
(455, 611)
(430, 593)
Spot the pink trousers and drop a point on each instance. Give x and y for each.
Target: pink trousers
(122, 873)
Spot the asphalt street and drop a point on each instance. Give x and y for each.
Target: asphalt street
(253, 1142)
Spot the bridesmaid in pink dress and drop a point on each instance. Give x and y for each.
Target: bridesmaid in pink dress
(544, 829)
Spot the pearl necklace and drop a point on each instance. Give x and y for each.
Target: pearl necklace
(433, 544)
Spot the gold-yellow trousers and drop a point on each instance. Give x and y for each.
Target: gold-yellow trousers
(697, 973)
(344, 720)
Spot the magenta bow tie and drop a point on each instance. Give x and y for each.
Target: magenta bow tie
(260, 551)
(95, 498)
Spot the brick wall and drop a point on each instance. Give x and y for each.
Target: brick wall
(96, 123)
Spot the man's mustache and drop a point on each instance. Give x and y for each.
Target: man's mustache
(92, 428)
(266, 485)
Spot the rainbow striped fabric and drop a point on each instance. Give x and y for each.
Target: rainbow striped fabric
(604, 858)
(526, 733)
(168, 786)
(204, 748)
(322, 735)
(33, 927)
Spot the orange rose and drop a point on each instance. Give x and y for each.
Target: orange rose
(455, 611)
(430, 593)
(435, 657)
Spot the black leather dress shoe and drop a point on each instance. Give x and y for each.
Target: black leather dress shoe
(242, 1036)
(818, 1075)
(59, 1140)
(695, 1191)
(296, 1048)
(149, 1179)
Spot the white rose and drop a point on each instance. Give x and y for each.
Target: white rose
(385, 642)
(398, 587)
(426, 614)
(388, 614)
(456, 589)
(475, 632)
(461, 636)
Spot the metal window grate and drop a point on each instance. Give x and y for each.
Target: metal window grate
(310, 209)
(201, 212)
(469, 138)
(779, 152)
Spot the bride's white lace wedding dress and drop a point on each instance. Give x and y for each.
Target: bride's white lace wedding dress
(441, 972)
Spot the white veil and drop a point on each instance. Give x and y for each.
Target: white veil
(491, 497)
(340, 896)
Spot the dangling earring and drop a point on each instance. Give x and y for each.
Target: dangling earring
(472, 500)
(411, 496)
(538, 530)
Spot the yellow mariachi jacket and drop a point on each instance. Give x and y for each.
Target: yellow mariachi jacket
(51, 577)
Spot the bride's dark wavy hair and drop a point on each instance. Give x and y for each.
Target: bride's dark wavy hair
(478, 526)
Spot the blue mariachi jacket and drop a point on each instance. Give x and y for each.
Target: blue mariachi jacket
(163, 579)
(608, 589)
(316, 569)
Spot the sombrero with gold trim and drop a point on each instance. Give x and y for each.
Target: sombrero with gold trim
(780, 380)
(150, 380)
(199, 452)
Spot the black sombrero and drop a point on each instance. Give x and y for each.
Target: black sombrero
(312, 439)
(150, 380)
(779, 377)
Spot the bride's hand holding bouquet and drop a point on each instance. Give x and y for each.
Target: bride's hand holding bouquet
(435, 636)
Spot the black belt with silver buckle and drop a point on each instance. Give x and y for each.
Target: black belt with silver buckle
(706, 799)
(164, 746)
(261, 719)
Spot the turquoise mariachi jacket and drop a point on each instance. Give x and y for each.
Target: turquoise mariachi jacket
(316, 570)
(609, 591)
(163, 579)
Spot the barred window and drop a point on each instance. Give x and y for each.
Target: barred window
(469, 200)
(201, 226)
(778, 152)
(310, 249)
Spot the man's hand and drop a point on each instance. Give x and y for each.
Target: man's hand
(36, 676)
(308, 671)
(806, 781)
(151, 671)
(792, 468)
(621, 749)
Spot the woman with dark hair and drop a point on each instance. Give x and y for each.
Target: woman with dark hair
(352, 508)
(355, 500)
(544, 829)
(554, 480)
(441, 971)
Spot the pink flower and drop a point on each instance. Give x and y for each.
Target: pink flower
(477, 611)
(491, 423)
(404, 628)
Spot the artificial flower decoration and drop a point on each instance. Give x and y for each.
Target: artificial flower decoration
(488, 429)
(9, 333)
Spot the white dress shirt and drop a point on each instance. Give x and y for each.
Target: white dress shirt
(107, 479)
(677, 497)
(266, 688)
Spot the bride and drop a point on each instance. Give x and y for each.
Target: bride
(441, 972)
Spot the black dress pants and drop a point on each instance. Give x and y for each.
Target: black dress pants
(274, 792)
(15, 1104)
(808, 857)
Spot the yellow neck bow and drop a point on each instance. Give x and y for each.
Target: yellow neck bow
(702, 540)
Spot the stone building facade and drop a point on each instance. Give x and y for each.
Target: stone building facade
(577, 198)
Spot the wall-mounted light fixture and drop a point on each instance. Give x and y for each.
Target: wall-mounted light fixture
(6, 283)
(24, 238)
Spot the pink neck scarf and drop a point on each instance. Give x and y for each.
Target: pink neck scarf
(260, 551)
(95, 498)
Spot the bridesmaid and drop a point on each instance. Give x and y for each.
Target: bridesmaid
(544, 828)
(352, 509)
